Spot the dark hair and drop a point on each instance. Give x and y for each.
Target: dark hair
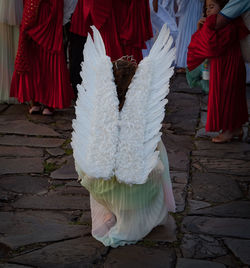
(123, 70)
(221, 3)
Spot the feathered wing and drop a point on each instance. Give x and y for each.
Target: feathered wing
(143, 112)
(95, 129)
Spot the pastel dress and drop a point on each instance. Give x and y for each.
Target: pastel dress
(122, 213)
(10, 19)
(189, 13)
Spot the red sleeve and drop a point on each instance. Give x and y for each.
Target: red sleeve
(208, 42)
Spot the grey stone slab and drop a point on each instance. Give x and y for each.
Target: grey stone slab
(233, 150)
(6, 196)
(66, 172)
(164, 233)
(183, 123)
(189, 263)
(237, 209)
(29, 227)
(214, 187)
(16, 109)
(17, 151)
(179, 177)
(178, 161)
(56, 151)
(53, 201)
(71, 190)
(201, 247)
(182, 112)
(229, 260)
(225, 147)
(63, 125)
(3, 107)
(176, 143)
(223, 227)
(75, 253)
(30, 141)
(5, 251)
(67, 114)
(240, 248)
(21, 165)
(74, 183)
(86, 218)
(25, 127)
(223, 165)
(25, 184)
(11, 265)
(179, 84)
(180, 193)
(195, 205)
(137, 256)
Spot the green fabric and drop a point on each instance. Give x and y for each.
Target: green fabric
(194, 79)
(109, 191)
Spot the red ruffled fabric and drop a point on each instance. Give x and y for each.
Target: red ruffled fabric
(43, 76)
(125, 25)
(227, 106)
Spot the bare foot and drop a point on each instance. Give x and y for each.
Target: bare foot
(223, 137)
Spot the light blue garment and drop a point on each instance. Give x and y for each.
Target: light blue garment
(163, 16)
(234, 8)
(189, 13)
(248, 73)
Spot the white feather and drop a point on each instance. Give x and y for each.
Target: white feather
(143, 112)
(95, 134)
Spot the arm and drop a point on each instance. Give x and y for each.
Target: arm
(221, 21)
(232, 10)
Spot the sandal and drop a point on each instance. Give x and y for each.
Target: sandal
(35, 109)
(48, 111)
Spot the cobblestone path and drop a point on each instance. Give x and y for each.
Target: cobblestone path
(45, 216)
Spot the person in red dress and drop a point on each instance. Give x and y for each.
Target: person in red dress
(125, 27)
(227, 106)
(40, 75)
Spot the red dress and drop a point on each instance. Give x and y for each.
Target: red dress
(125, 25)
(41, 73)
(227, 106)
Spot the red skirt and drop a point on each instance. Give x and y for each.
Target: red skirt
(46, 80)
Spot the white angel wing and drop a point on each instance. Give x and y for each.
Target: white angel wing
(94, 139)
(143, 112)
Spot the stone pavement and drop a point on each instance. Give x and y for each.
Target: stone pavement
(45, 216)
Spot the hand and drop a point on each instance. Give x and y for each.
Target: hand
(155, 5)
(200, 23)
